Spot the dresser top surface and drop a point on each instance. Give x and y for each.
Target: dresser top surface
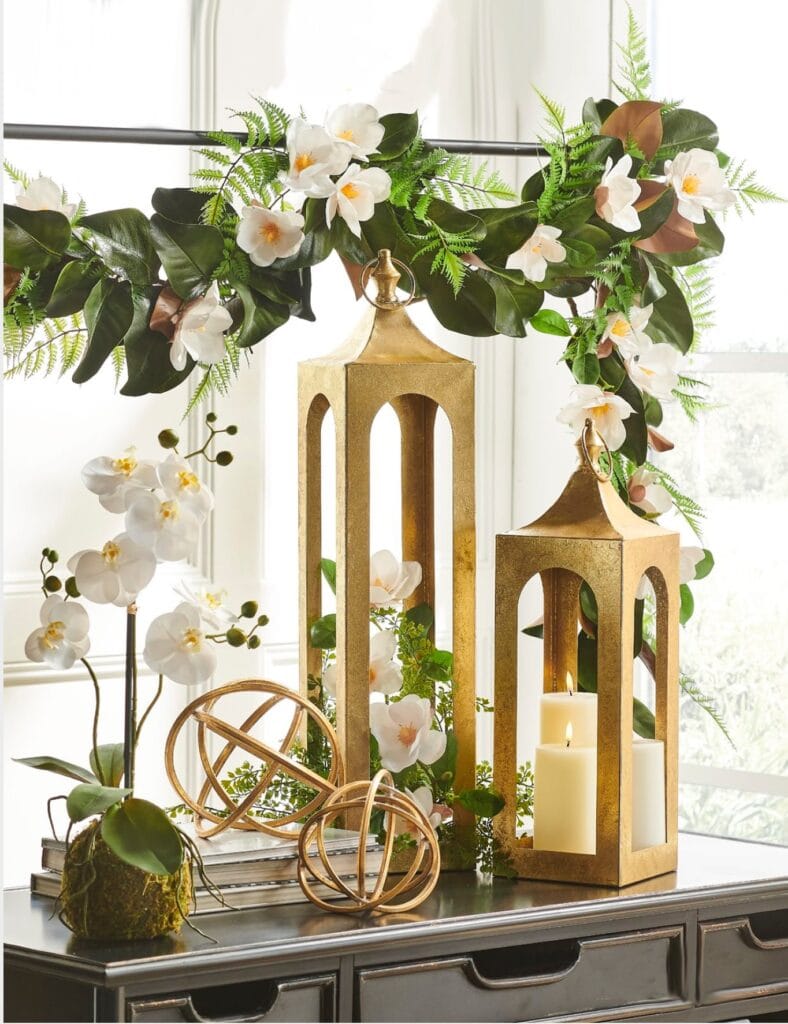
(710, 871)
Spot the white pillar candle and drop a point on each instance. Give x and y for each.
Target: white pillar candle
(565, 797)
(556, 710)
(648, 793)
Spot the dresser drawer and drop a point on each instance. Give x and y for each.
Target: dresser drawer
(295, 999)
(743, 957)
(530, 982)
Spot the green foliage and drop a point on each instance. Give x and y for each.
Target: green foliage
(634, 69)
(688, 507)
(697, 287)
(19, 178)
(217, 378)
(46, 763)
(88, 799)
(747, 190)
(141, 834)
(60, 349)
(687, 394)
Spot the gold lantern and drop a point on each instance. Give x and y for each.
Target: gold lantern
(386, 360)
(590, 534)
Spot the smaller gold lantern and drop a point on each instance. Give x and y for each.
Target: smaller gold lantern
(590, 790)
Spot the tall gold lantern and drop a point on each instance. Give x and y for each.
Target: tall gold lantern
(386, 360)
(590, 534)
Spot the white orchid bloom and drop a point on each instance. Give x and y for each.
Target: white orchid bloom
(210, 604)
(166, 527)
(404, 734)
(44, 194)
(689, 559)
(176, 646)
(606, 410)
(647, 493)
(113, 480)
(62, 637)
(391, 581)
(357, 125)
(385, 675)
(180, 482)
(423, 799)
(200, 330)
(355, 195)
(627, 332)
(540, 249)
(314, 156)
(616, 194)
(699, 183)
(655, 370)
(269, 235)
(116, 574)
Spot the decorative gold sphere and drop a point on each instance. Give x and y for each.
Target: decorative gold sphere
(275, 759)
(366, 893)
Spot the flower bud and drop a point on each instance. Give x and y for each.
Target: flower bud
(224, 458)
(71, 587)
(45, 553)
(168, 439)
(263, 620)
(52, 583)
(53, 555)
(253, 643)
(232, 430)
(211, 417)
(249, 609)
(235, 637)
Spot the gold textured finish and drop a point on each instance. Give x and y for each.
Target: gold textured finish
(400, 814)
(590, 534)
(386, 360)
(275, 759)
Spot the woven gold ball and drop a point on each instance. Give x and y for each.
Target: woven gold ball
(363, 892)
(205, 711)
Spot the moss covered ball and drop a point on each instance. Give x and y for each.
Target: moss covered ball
(102, 897)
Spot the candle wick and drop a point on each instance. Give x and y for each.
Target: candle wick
(568, 742)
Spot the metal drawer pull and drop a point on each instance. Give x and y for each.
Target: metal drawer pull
(504, 968)
(769, 929)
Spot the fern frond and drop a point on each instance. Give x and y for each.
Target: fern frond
(688, 507)
(217, 378)
(634, 68)
(697, 286)
(16, 175)
(691, 690)
(747, 191)
(556, 114)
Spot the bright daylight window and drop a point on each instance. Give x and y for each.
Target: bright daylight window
(735, 460)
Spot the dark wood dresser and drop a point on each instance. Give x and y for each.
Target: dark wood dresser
(708, 944)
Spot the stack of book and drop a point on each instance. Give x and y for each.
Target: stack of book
(249, 868)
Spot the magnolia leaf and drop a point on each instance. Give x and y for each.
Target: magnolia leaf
(652, 410)
(55, 764)
(110, 760)
(507, 229)
(575, 215)
(705, 565)
(347, 245)
(148, 364)
(536, 629)
(642, 718)
(449, 218)
(323, 632)
(675, 234)
(141, 834)
(86, 799)
(189, 253)
(123, 239)
(472, 312)
(687, 129)
(260, 316)
(181, 204)
(687, 604)
(484, 803)
(655, 210)
(597, 111)
(33, 238)
(422, 615)
(671, 320)
(74, 283)
(635, 447)
(329, 571)
(612, 370)
(547, 321)
(710, 244)
(514, 303)
(108, 314)
(399, 132)
(638, 121)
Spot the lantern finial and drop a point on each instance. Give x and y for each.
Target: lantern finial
(590, 445)
(387, 277)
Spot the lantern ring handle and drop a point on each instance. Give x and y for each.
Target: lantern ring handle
(367, 270)
(602, 477)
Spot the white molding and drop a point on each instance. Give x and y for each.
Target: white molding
(30, 673)
(733, 778)
(740, 362)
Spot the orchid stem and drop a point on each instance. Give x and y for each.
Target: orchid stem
(96, 711)
(130, 697)
(150, 707)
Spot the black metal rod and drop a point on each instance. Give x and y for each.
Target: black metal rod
(130, 698)
(180, 137)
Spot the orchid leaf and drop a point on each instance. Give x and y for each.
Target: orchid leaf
(86, 799)
(45, 763)
(141, 834)
(110, 763)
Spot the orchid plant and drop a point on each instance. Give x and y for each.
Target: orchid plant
(164, 505)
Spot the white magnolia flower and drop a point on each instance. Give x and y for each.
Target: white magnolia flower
(314, 156)
(606, 410)
(166, 527)
(113, 480)
(269, 235)
(355, 195)
(655, 370)
(44, 194)
(647, 493)
(176, 647)
(358, 127)
(616, 194)
(627, 332)
(200, 330)
(423, 798)
(699, 183)
(385, 675)
(689, 558)
(391, 581)
(540, 249)
(116, 574)
(180, 482)
(210, 604)
(404, 734)
(62, 637)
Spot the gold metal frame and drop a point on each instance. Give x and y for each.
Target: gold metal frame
(590, 534)
(386, 360)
